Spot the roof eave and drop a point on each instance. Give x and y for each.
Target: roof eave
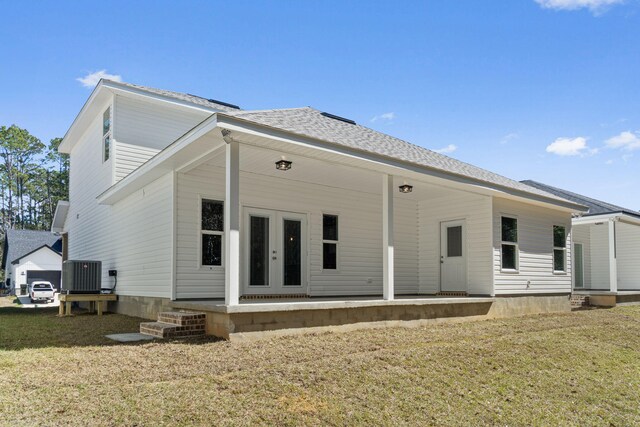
(66, 146)
(160, 164)
(17, 260)
(118, 88)
(226, 119)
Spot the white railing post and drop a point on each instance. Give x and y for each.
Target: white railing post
(387, 237)
(613, 264)
(232, 225)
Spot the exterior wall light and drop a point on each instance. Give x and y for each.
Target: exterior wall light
(283, 165)
(406, 188)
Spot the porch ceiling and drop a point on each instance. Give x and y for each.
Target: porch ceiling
(261, 161)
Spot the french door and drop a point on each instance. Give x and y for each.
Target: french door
(275, 252)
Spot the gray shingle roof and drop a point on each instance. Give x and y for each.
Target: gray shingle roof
(19, 243)
(596, 207)
(193, 99)
(310, 122)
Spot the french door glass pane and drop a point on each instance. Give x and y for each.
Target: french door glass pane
(454, 241)
(259, 251)
(292, 266)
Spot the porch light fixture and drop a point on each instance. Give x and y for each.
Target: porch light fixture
(406, 188)
(283, 165)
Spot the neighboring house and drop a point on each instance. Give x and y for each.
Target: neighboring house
(30, 255)
(195, 199)
(606, 246)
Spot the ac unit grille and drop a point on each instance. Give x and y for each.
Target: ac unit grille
(81, 277)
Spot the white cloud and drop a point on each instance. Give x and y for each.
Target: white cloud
(595, 6)
(92, 79)
(509, 137)
(571, 147)
(627, 141)
(626, 157)
(608, 162)
(448, 149)
(385, 116)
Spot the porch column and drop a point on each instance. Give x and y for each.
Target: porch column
(387, 237)
(232, 225)
(613, 265)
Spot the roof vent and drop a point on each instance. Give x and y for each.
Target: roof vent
(342, 119)
(226, 104)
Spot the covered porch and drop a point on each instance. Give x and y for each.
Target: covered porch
(300, 221)
(607, 247)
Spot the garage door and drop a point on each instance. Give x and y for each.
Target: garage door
(52, 276)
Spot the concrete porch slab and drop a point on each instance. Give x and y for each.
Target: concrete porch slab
(218, 306)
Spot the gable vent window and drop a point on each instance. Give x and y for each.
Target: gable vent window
(559, 249)
(329, 242)
(211, 232)
(509, 243)
(106, 135)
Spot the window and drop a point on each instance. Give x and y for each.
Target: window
(559, 248)
(211, 232)
(454, 241)
(509, 245)
(106, 134)
(329, 242)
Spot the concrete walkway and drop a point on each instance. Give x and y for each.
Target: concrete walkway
(26, 303)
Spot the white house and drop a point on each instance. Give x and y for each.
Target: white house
(30, 255)
(192, 199)
(606, 246)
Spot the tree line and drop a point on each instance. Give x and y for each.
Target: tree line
(33, 178)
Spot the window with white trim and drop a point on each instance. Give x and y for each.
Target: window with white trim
(509, 243)
(211, 232)
(559, 249)
(329, 242)
(106, 134)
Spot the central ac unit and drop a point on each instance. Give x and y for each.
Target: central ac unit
(81, 277)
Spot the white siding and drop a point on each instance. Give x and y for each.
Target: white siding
(360, 233)
(582, 234)
(628, 253)
(151, 124)
(599, 235)
(476, 211)
(133, 236)
(129, 157)
(535, 241)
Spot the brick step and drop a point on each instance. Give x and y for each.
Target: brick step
(182, 318)
(579, 301)
(171, 330)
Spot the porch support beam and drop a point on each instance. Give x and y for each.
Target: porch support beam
(613, 265)
(387, 238)
(232, 225)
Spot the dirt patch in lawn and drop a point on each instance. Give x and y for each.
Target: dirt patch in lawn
(581, 368)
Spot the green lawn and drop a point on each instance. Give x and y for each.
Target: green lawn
(581, 368)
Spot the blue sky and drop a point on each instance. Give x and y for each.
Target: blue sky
(531, 89)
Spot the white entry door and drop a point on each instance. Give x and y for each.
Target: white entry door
(275, 252)
(453, 256)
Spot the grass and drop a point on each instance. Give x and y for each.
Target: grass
(581, 368)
